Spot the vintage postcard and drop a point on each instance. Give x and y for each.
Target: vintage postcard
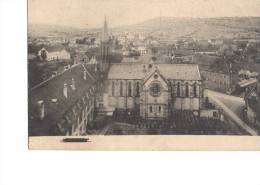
(144, 74)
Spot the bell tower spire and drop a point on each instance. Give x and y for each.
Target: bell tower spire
(105, 31)
(104, 47)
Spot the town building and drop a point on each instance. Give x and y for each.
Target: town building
(252, 107)
(142, 50)
(63, 104)
(216, 79)
(81, 57)
(66, 103)
(153, 90)
(53, 53)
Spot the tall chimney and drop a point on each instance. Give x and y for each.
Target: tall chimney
(73, 86)
(65, 90)
(41, 109)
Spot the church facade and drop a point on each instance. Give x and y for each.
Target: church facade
(153, 90)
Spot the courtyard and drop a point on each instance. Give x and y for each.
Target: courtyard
(180, 123)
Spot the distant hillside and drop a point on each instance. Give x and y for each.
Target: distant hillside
(49, 29)
(171, 28)
(201, 27)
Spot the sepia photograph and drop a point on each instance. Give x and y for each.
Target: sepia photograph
(125, 72)
(133, 92)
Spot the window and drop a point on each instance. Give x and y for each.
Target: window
(151, 109)
(121, 88)
(178, 89)
(215, 114)
(137, 89)
(160, 109)
(195, 90)
(113, 88)
(129, 89)
(155, 89)
(187, 90)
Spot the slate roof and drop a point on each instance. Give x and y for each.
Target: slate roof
(53, 89)
(169, 71)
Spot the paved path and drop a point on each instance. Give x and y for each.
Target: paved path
(105, 129)
(232, 107)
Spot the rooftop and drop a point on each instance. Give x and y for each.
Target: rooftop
(55, 104)
(169, 71)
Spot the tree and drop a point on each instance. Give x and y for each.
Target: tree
(43, 54)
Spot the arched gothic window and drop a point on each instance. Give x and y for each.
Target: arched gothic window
(129, 89)
(195, 89)
(113, 88)
(187, 90)
(121, 88)
(178, 89)
(137, 89)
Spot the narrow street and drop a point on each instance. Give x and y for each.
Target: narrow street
(232, 107)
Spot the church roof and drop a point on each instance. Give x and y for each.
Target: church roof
(168, 71)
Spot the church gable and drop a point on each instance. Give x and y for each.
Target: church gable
(155, 77)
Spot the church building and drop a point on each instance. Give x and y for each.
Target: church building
(154, 90)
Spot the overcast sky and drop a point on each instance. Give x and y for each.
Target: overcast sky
(90, 13)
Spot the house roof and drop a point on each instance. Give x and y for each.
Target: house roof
(169, 71)
(54, 48)
(183, 52)
(247, 82)
(53, 89)
(214, 68)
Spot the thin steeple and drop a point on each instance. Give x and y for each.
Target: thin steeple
(105, 31)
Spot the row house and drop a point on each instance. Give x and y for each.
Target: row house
(64, 104)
